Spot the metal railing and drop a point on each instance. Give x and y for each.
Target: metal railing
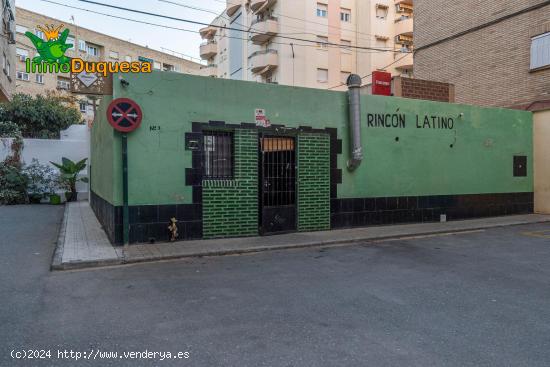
(265, 18)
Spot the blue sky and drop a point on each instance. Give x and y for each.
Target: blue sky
(155, 37)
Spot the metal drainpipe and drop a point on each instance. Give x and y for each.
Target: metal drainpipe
(354, 95)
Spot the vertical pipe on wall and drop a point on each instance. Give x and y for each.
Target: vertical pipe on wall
(354, 96)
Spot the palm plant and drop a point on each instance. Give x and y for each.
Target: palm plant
(69, 175)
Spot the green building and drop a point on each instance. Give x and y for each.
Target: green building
(200, 157)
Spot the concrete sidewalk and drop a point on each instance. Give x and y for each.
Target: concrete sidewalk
(82, 243)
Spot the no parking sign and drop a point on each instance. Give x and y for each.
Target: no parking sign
(124, 115)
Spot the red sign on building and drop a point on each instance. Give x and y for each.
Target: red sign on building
(381, 83)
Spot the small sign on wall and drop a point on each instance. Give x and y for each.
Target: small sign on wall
(381, 83)
(261, 118)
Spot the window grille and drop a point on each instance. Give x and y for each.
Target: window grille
(218, 155)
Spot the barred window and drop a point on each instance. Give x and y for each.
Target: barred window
(218, 155)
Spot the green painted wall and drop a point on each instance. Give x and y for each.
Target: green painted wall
(230, 207)
(313, 182)
(102, 161)
(420, 163)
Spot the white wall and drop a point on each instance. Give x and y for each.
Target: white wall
(74, 144)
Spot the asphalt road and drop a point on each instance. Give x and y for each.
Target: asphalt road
(477, 299)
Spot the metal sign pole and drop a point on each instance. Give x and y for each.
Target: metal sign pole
(125, 210)
(124, 115)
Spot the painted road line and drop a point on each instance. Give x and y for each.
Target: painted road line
(406, 238)
(538, 234)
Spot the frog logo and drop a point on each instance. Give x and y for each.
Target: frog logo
(52, 50)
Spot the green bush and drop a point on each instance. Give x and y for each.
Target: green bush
(69, 172)
(40, 116)
(9, 129)
(13, 184)
(42, 180)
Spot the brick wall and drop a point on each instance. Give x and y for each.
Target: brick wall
(230, 207)
(313, 182)
(423, 89)
(488, 67)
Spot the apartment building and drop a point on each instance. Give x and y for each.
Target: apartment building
(309, 43)
(7, 49)
(88, 45)
(496, 53)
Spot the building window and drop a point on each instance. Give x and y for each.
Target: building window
(382, 11)
(128, 58)
(83, 106)
(322, 10)
(39, 78)
(21, 29)
(218, 155)
(40, 34)
(344, 75)
(22, 54)
(540, 51)
(168, 67)
(21, 75)
(82, 45)
(71, 41)
(157, 65)
(113, 55)
(322, 75)
(345, 15)
(322, 42)
(346, 45)
(63, 83)
(92, 50)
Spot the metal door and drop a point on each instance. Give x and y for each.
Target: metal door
(277, 184)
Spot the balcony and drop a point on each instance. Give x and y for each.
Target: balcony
(210, 70)
(208, 50)
(258, 6)
(232, 7)
(404, 25)
(262, 62)
(406, 63)
(404, 6)
(208, 32)
(263, 30)
(404, 39)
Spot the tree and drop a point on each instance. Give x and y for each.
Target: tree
(40, 116)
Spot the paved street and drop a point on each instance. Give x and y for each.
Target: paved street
(473, 299)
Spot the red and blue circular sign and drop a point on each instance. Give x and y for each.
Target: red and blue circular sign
(124, 115)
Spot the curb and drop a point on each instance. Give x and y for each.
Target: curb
(349, 242)
(57, 260)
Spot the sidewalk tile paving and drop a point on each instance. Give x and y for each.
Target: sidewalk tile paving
(83, 243)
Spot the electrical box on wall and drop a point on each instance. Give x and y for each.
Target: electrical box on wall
(193, 141)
